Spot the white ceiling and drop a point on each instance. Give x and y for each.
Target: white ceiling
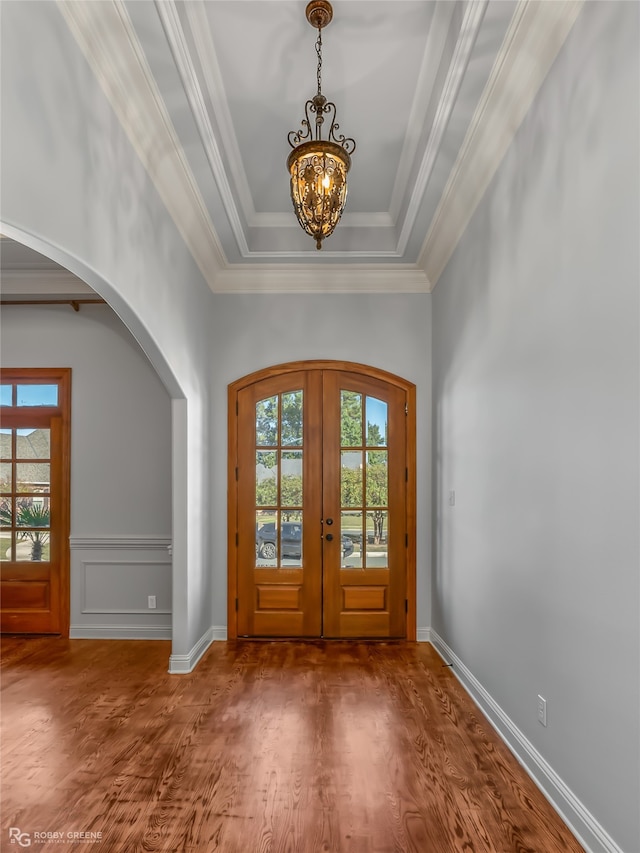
(208, 90)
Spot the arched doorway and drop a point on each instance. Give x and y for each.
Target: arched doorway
(68, 589)
(321, 524)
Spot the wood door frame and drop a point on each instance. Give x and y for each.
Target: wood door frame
(61, 376)
(232, 483)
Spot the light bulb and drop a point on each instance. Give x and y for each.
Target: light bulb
(326, 182)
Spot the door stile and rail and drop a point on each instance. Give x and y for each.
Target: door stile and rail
(287, 597)
(321, 498)
(34, 500)
(364, 460)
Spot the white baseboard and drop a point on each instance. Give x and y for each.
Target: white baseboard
(120, 632)
(423, 635)
(182, 664)
(593, 837)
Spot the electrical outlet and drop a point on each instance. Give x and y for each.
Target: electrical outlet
(452, 498)
(542, 710)
(152, 602)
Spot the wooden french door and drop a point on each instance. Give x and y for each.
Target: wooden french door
(322, 503)
(34, 500)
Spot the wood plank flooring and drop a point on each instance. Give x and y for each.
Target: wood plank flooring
(267, 747)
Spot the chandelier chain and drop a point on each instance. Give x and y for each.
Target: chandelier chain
(319, 52)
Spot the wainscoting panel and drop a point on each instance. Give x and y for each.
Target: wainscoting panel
(111, 581)
(124, 587)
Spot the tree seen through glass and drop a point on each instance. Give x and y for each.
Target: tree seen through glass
(364, 472)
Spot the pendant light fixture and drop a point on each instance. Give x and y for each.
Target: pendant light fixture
(318, 167)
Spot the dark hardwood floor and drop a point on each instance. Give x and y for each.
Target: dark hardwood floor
(267, 747)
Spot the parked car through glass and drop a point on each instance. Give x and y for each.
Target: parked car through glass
(290, 541)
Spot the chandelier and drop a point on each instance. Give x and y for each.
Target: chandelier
(318, 167)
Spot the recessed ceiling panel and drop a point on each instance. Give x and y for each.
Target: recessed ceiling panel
(371, 64)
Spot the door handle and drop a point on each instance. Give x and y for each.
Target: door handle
(329, 521)
(329, 537)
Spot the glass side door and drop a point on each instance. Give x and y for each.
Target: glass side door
(321, 509)
(279, 487)
(364, 463)
(34, 501)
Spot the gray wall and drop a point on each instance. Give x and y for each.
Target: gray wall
(391, 332)
(120, 464)
(74, 188)
(536, 427)
(535, 352)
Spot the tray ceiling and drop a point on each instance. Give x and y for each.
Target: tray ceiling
(431, 91)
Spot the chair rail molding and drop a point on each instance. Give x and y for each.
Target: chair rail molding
(109, 542)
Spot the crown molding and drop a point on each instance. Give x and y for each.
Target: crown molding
(322, 279)
(425, 84)
(174, 33)
(378, 219)
(471, 23)
(533, 40)
(105, 34)
(212, 76)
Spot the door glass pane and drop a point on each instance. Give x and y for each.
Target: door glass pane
(33, 477)
(32, 511)
(32, 545)
(266, 538)
(377, 483)
(6, 520)
(6, 525)
(376, 418)
(350, 419)
(377, 538)
(292, 419)
(5, 545)
(279, 499)
(267, 422)
(290, 539)
(291, 467)
(266, 478)
(6, 512)
(5, 444)
(351, 478)
(5, 395)
(5, 477)
(25, 516)
(33, 444)
(37, 395)
(351, 530)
